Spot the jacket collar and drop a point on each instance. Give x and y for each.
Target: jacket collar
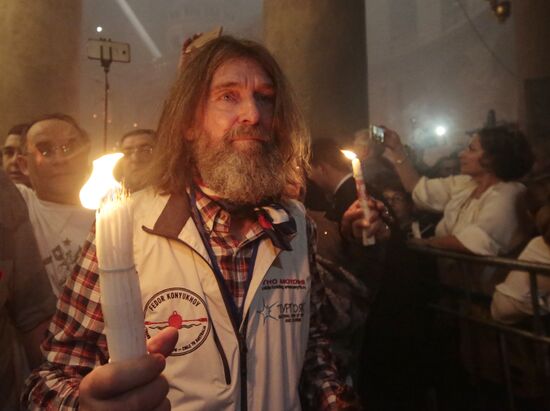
(177, 212)
(173, 217)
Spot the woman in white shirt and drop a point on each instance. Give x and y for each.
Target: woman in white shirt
(512, 298)
(482, 208)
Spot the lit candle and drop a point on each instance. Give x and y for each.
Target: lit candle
(118, 280)
(361, 191)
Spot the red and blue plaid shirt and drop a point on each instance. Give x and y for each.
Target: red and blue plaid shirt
(232, 254)
(75, 343)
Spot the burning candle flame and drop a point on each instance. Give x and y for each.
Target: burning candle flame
(349, 154)
(101, 181)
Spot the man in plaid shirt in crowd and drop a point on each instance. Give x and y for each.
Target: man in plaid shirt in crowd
(218, 228)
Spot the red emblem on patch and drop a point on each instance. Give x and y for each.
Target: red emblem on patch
(176, 321)
(182, 309)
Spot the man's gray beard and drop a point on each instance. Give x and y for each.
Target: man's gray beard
(242, 177)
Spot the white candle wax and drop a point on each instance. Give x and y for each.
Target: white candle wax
(118, 280)
(415, 228)
(362, 196)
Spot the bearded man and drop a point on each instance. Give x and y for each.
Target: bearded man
(223, 255)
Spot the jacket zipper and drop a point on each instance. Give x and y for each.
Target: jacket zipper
(241, 337)
(226, 371)
(241, 341)
(243, 351)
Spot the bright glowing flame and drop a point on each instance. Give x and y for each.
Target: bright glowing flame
(99, 29)
(101, 182)
(440, 131)
(349, 154)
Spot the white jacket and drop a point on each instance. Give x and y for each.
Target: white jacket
(217, 363)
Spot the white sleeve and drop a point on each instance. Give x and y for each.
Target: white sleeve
(25, 191)
(513, 296)
(496, 226)
(508, 310)
(433, 193)
(478, 241)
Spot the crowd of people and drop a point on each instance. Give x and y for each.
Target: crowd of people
(296, 313)
(484, 208)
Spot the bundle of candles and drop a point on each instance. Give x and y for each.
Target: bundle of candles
(118, 279)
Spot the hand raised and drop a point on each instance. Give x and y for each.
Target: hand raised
(392, 141)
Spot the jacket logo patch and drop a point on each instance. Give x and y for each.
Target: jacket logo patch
(287, 312)
(182, 309)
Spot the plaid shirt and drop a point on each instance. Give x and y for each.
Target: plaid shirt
(232, 254)
(75, 343)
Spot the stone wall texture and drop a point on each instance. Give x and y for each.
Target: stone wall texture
(321, 45)
(39, 55)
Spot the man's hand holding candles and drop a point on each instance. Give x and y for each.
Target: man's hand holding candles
(132, 380)
(131, 385)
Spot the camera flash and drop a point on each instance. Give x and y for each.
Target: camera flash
(440, 131)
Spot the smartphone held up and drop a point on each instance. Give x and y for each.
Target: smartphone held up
(377, 134)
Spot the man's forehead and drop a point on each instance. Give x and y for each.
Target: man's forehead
(241, 71)
(13, 140)
(137, 139)
(52, 129)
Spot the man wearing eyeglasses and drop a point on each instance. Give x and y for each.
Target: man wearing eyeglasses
(55, 158)
(10, 152)
(137, 146)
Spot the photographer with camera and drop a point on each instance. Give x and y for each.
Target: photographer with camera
(480, 206)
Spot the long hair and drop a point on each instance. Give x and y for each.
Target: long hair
(172, 167)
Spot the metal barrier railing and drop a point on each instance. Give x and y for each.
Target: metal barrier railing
(538, 333)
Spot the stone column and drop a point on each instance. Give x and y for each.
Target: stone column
(39, 55)
(321, 45)
(532, 21)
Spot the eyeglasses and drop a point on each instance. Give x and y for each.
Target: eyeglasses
(10, 151)
(47, 149)
(146, 150)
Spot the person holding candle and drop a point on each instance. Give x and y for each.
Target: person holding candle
(352, 268)
(331, 171)
(225, 261)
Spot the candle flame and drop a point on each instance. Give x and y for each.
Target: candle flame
(350, 155)
(101, 182)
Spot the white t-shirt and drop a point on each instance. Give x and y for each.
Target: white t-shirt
(516, 285)
(60, 231)
(493, 224)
